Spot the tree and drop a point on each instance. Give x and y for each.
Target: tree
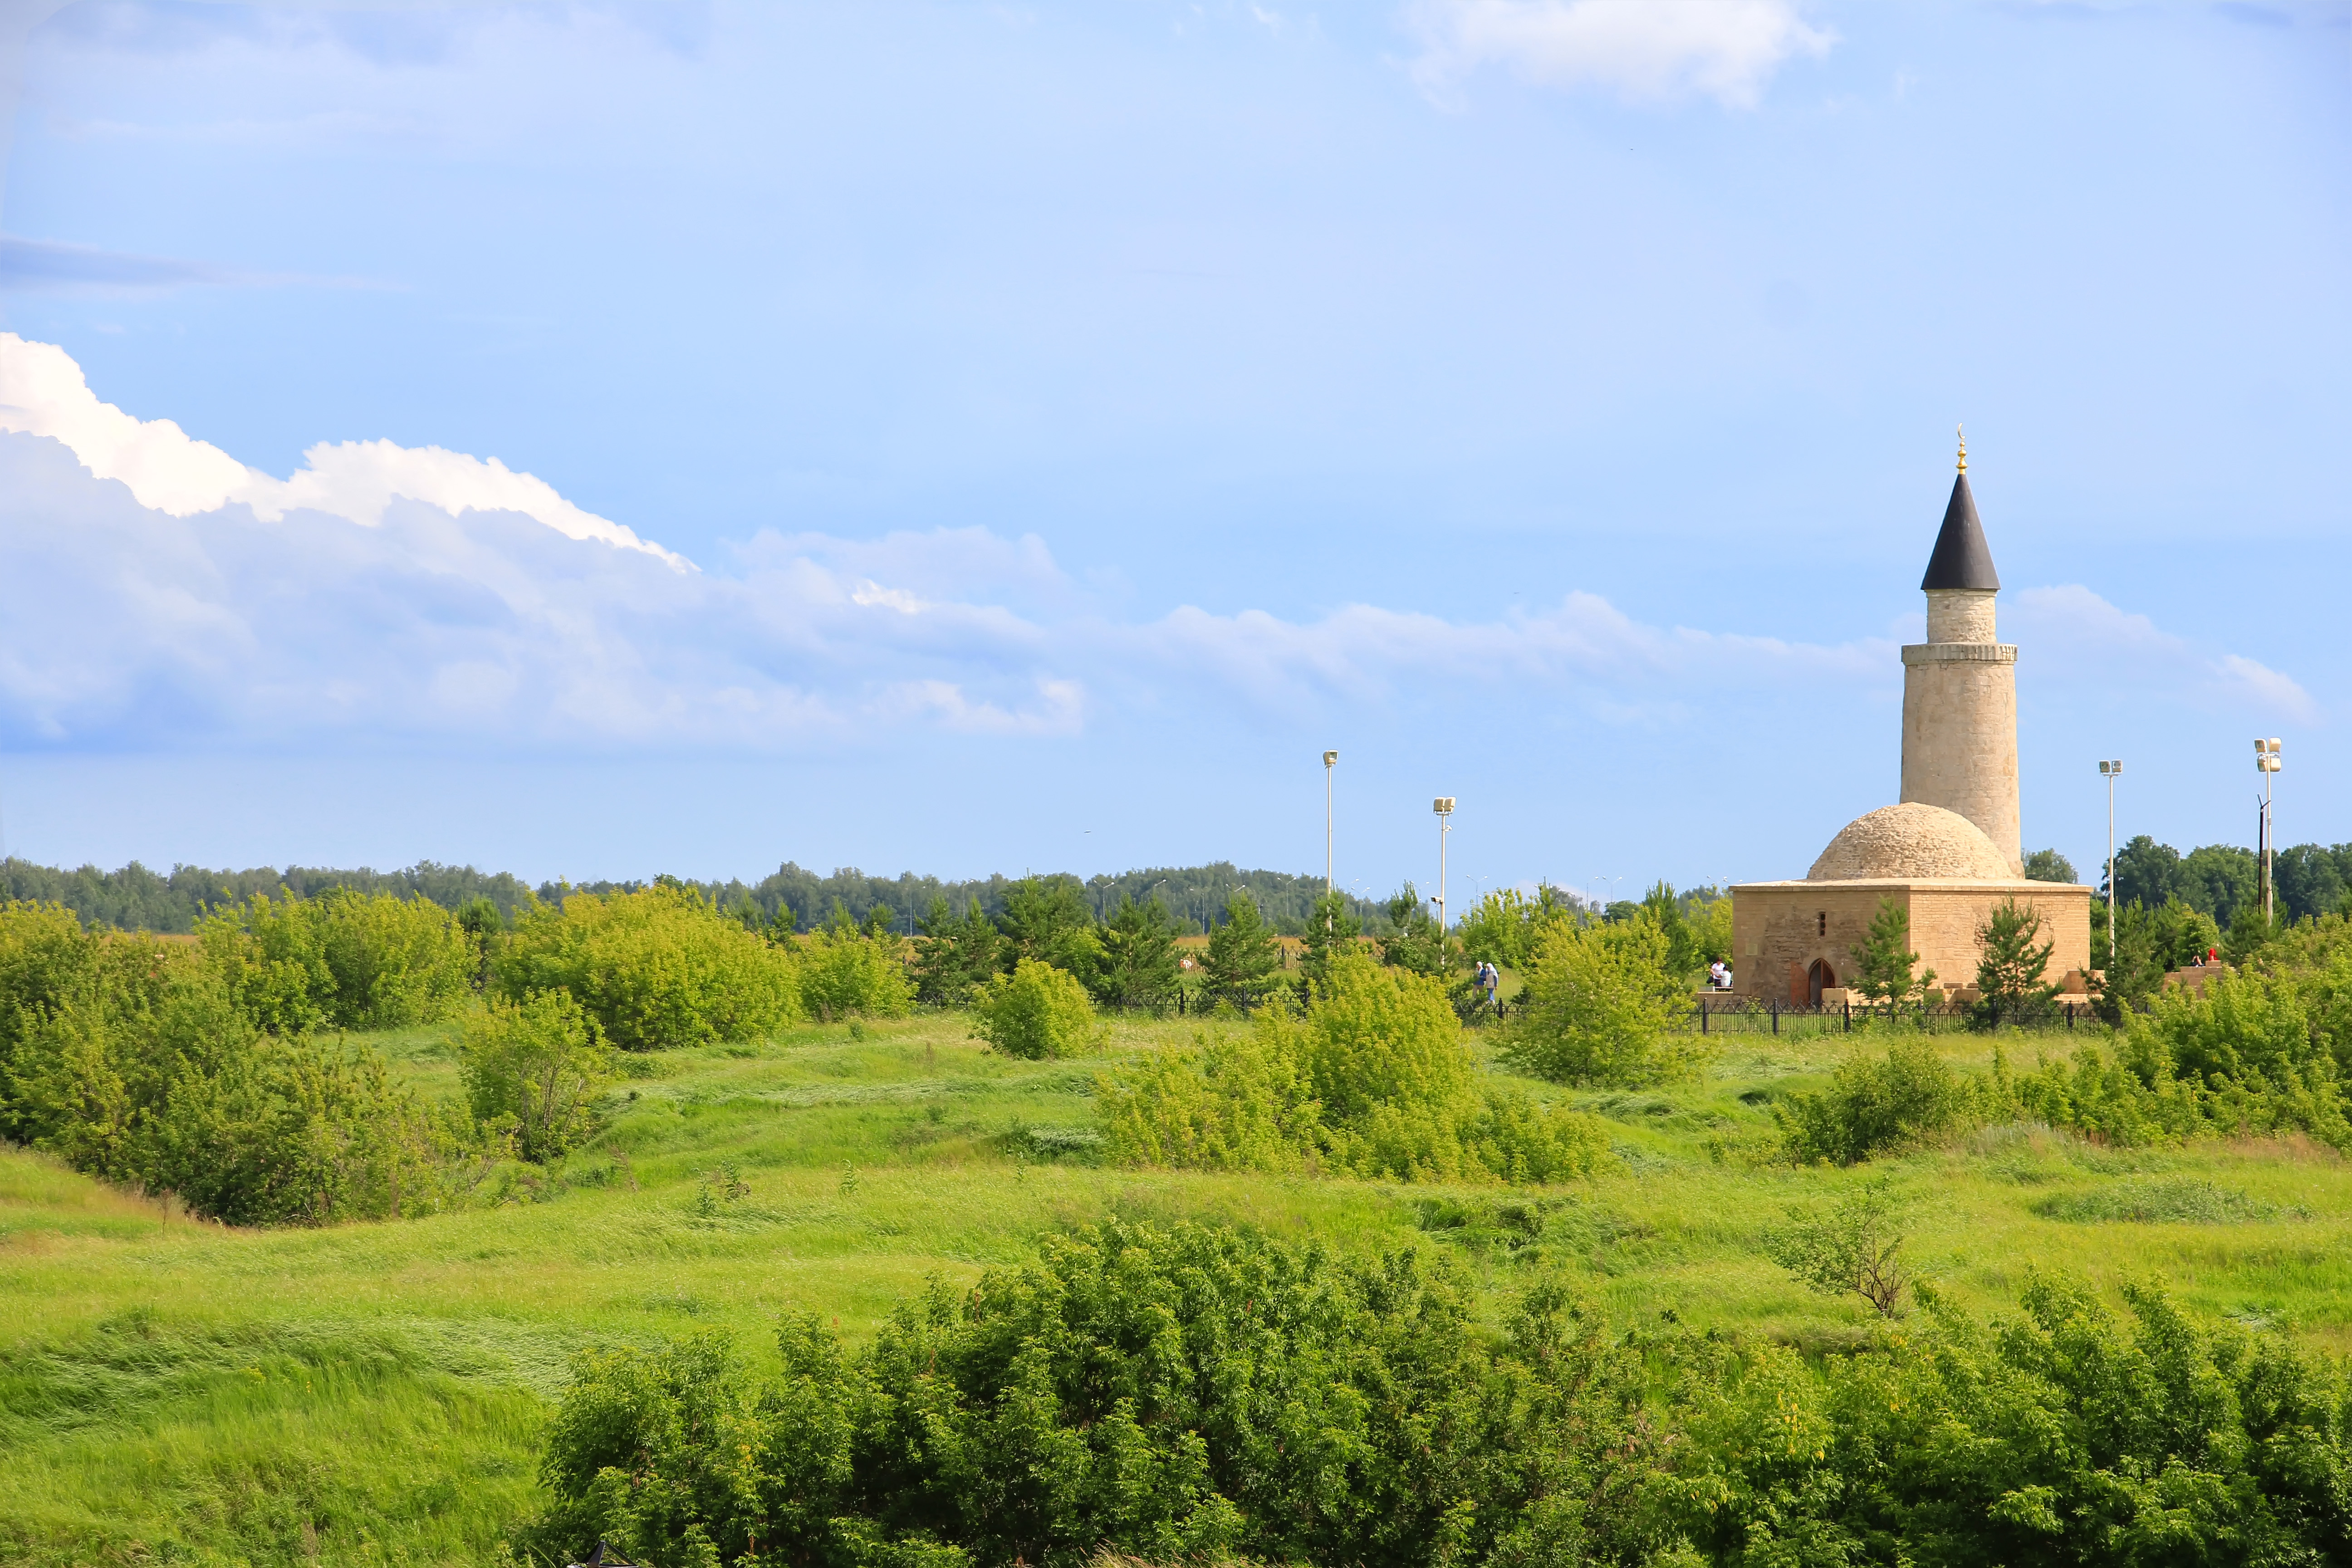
(1139, 956)
(1331, 930)
(536, 1066)
(479, 919)
(1884, 959)
(1243, 953)
(2010, 966)
(1048, 918)
(1856, 1245)
(2048, 865)
(1035, 1012)
(2146, 873)
(1413, 941)
(952, 954)
(1600, 1006)
(2249, 931)
(846, 970)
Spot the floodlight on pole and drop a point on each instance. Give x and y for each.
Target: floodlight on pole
(1443, 806)
(2267, 760)
(2111, 772)
(1330, 761)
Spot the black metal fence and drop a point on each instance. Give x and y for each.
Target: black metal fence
(1743, 1015)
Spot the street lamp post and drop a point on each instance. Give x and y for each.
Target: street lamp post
(1330, 760)
(2266, 759)
(2111, 772)
(1443, 806)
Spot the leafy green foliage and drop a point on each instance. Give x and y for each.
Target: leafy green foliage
(2010, 965)
(1884, 966)
(1503, 927)
(1855, 1246)
(1036, 1011)
(847, 972)
(1186, 1395)
(1875, 1105)
(1375, 1079)
(2048, 865)
(2149, 944)
(955, 953)
(2060, 1437)
(345, 959)
(1139, 956)
(1601, 1006)
(1697, 929)
(1413, 941)
(1332, 929)
(1048, 921)
(655, 969)
(143, 1069)
(1243, 954)
(535, 1067)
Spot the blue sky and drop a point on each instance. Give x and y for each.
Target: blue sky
(994, 437)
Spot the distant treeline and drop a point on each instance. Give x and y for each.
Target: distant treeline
(2219, 879)
(136, 898)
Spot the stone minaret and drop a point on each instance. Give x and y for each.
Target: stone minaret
(1959, 687)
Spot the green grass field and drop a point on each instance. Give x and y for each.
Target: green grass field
(175, 1392)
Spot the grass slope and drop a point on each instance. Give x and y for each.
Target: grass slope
(174, 1392)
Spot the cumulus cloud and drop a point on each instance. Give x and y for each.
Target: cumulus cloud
(159, 593)
(1726, 49)
(2090, 636)
(43, 392)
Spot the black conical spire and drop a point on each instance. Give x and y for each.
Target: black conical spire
(1962, 559)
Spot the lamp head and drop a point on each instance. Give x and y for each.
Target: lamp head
(1330, 757)
(1443, 805)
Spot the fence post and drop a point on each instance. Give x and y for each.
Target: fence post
(2070, 1015)
(1849, 1018)
(1702, 1015)
(1776, 1015)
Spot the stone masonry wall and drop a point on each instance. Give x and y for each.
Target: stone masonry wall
(1959, 736)
(1779, 929)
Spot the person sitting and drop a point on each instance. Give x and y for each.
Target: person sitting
(1719, 975)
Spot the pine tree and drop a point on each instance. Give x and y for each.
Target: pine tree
(1242, 952)
(1139, 963)
(1883, 962)
(2010, 966)
(1331, 930)
(952, 954)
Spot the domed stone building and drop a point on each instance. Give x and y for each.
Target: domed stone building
(1951, 851)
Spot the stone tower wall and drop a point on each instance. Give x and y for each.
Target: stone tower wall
(1960, 719)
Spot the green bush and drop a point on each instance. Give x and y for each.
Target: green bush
(1877, 1105)
(2061, 1437)
(1036, 1011)
(1189, 1395)
(655, 969)
(344, 959)
(1376, 1080)
(1202, 1393)
(1603, 1007)
(2238, 1055)
(846, 972)
(146, 1072)
(534, 1068)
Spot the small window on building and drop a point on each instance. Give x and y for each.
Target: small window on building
(1824, 917)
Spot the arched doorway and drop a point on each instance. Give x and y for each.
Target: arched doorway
(1819, 978)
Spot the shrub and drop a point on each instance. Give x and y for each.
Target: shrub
(1853, 1246)
(655, 969)
(846, 971)
(1035, 1011)
(1877, 1105)
(1187, 1394)
(535, 1068)
(954, 954)
(1375, 1079)
(2059, 1436)
(1885, 969)
(1599, 1008)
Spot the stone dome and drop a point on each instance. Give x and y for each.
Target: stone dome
(1911, 840)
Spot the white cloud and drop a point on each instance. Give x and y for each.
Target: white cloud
(402, 595)
(1726, 49)
(43, 392)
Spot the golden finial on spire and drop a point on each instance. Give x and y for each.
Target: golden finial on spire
(1964, 446)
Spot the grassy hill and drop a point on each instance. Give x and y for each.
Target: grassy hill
(177, 1391)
